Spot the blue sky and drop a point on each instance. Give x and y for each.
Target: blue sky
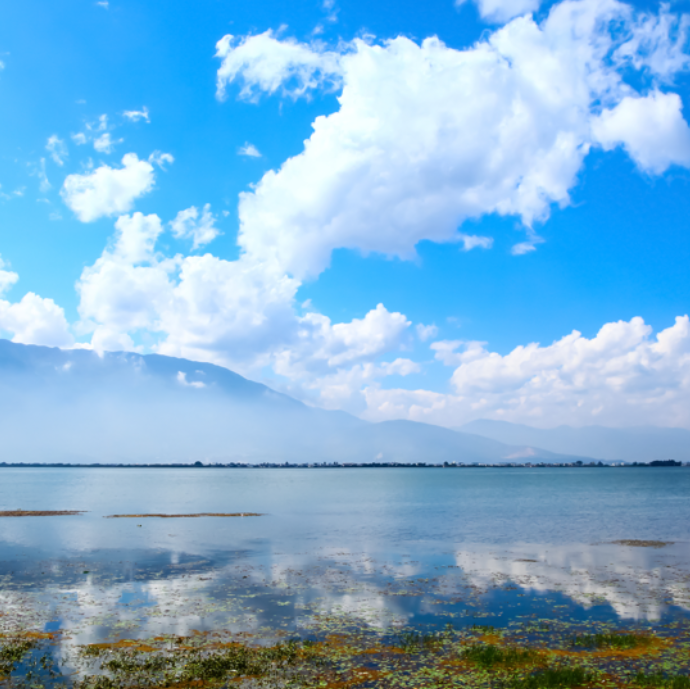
(378, 207)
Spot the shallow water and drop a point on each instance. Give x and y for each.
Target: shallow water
(379, 547)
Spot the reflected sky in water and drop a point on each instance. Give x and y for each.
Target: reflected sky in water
(384, 547)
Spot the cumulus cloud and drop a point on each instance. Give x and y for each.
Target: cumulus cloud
(34, 320)
(201, 229)
(396, 164)
(264, 63)
(651, 129)
(236, 313)
(106, 190)
(57, 149)
(500, 11)
(622, 376)
(424, 138)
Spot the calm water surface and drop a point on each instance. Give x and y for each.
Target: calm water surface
(385, 547)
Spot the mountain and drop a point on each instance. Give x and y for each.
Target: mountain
(76, 406)
(642, 444)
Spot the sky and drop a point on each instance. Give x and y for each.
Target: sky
(439, 212)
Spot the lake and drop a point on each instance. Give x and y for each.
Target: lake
(381, 548)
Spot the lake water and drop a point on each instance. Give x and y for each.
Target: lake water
(380, 547)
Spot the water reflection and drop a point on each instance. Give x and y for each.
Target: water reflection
(383, 549)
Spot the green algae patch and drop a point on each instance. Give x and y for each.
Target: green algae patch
(633, 543)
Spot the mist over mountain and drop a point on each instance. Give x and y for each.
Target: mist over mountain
(76, 406)
(641, 444)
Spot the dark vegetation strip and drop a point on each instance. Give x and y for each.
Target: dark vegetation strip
(642, 544)
(40, 513)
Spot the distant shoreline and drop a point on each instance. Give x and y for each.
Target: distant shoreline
(666, 464)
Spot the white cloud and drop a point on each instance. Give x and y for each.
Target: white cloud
(13, 194)
(501, 11)
(444, 351)
(622, 376)
(103, 3)
(240, 314)
(161, 159)
(107, 190)
(57, 149)
(136, 237)
(99, 133)
(658, 43)
(426, 332)
(34, 320)
(265, 64)
(189, 225)
(182, 380)
(44, 183)
(425, 137)
(249, 150)
(522, 248)
(7, 277)
(105, 144)
(136, 115)
(396, 163)
(651, 129)
(473, 241)
(332, 345)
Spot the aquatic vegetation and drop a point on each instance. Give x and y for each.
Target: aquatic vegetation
(342, 653)
(634, 543)
(659, 679)
(555, 678)
(489, 656)
(186, 663)
(11, 653)
(616, 641)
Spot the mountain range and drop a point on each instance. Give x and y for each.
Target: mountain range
(640, 444)
(78, 406)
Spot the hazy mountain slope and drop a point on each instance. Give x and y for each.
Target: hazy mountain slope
(76, 406)
(629, 444)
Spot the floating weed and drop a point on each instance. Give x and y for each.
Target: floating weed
(554, 678)
(12, 652)
(125, 664)
(415, 642)
(659, 679)
(622, 642)
(342, 652)
(489, 656)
